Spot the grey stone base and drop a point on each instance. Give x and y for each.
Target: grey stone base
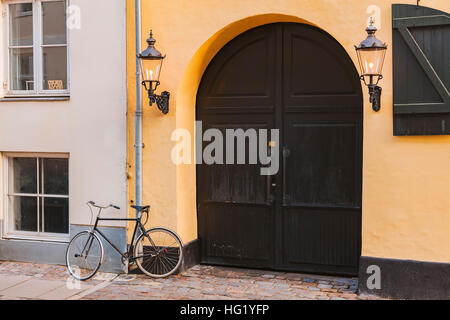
(55, 252)
(406, 279)
(33, 251)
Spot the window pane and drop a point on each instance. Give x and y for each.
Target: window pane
(21, 24)
(55, 177)
(24, 175)
(21, 69)
(54, 22)
(55, 217)
(55, 68)
(25, 213)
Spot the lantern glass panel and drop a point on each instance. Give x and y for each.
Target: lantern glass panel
(151, 69)
(371, 60)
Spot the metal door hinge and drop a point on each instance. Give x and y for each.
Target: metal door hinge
(3, 13)
(4, 85)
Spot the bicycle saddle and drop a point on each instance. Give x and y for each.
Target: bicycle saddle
(140, 208)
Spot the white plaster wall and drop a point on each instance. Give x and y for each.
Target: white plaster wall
(1, 194)
(91, 126)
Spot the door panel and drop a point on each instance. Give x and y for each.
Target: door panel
(322, 160)
(322, 174)
(320, 239)
(237, 239)
(317, 72)
(241, 77)
(308, 216)
(322, 200)
(235, 218)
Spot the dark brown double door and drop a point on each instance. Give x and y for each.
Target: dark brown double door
(307, 217)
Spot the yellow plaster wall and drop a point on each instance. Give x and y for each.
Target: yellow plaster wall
(406, 180)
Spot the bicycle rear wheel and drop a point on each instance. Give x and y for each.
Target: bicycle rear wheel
(158, 252)
(84, 255)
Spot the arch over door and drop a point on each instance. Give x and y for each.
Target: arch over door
(307, 217)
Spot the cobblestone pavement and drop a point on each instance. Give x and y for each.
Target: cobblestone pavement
(199, 282)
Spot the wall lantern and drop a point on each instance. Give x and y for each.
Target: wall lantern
(371, 54)
(151, 62)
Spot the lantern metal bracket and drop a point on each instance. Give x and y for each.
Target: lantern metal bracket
(375, 97)
(162, 100)
(374, 91)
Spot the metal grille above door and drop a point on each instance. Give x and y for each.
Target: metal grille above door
(298, 79)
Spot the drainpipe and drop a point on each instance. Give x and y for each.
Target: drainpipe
(138, 143)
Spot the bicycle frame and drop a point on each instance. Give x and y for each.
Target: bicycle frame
(127, 254)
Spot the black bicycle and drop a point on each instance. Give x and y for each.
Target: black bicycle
(158, 252)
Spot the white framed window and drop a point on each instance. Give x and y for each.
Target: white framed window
(37, 196)
(37, 47)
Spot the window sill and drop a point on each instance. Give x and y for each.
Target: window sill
(62, 239)
(34, 98)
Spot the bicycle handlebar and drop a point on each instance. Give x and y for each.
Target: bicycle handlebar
(92, 203)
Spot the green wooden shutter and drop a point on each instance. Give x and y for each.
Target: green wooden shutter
(421, 70)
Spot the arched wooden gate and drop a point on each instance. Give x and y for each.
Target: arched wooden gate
(307, 217)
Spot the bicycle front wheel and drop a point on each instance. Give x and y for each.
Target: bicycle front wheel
(158, 252)
(84, 255)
